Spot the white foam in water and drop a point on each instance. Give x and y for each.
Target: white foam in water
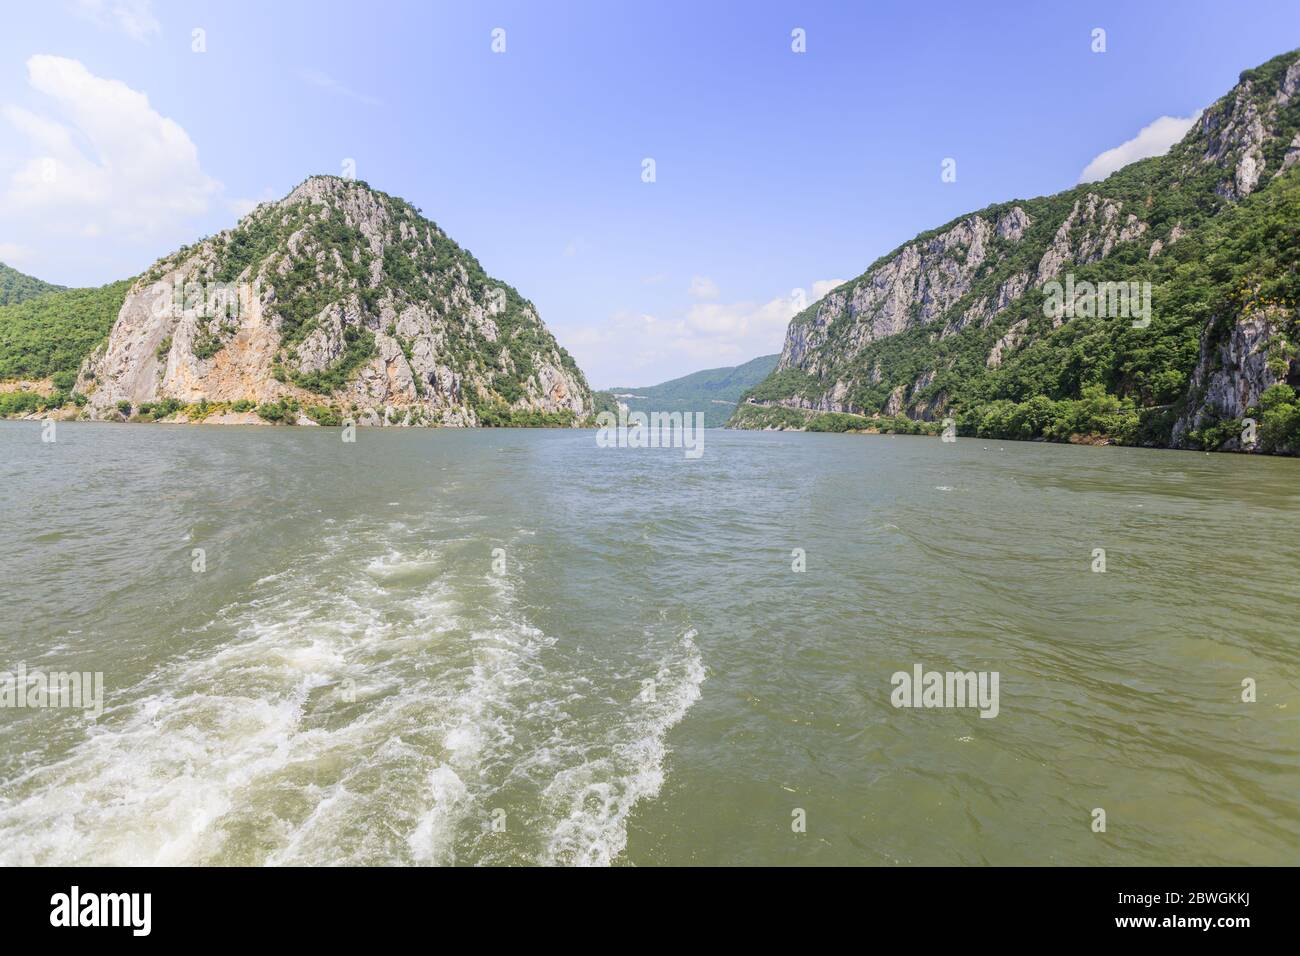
(202, 739)
(245, 752)
(148, 790)
(433, 839)
(597, 796)
(396, 567)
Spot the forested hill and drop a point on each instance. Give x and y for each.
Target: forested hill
(338, 301)
(713, 391)
(16, 287)
(968, 321)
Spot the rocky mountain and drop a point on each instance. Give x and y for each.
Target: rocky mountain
(337, 301)
(17, 287)
(712, 391)
(1017, 321)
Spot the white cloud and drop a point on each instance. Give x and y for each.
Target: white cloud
(242, 206)
(822, 286)
(702, 287)
(326, 82)
(11, 253)
(1154, 139)
(98, 161)
(636, 348)
(135, 18)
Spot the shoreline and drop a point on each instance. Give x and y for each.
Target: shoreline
(251, 419)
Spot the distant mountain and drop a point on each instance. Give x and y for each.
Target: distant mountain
(16, 287)
(968, 321)
(713, 391)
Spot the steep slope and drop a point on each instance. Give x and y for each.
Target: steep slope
(964, 321)
(17, 287)
(51, 335)
(341, 299)
(713, 391)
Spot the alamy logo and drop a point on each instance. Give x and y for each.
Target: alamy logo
(22, 688)
(207, 300)
(103, 909)
(656, 430)
(1104, 300)
(923, 688)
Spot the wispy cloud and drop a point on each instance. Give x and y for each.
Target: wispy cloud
(96, 182)
(1154, 139)
(135, 18)
(104, 161)
(242, 206)
(823, 286)
(702, 287)
(636, 348)
(324, 81)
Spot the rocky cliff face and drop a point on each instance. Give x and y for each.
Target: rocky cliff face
(955, 319)
(337, 296)
(963, 276)
(1233, 371)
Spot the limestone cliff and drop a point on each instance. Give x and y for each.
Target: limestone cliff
(959, 321)
(342, 297)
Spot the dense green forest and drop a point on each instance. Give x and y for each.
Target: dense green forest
(16, 287)
(48, 337)
(51, 335)
(713, 391)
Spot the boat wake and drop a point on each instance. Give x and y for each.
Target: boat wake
(370, 704)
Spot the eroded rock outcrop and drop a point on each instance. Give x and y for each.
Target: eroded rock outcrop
(1104, 286)
(336, 296)
(1232, 371)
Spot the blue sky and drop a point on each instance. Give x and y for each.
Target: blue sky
(774, 170)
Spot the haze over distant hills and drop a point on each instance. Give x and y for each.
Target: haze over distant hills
(713, 391)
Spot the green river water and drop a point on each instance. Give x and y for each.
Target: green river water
(643, 678)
